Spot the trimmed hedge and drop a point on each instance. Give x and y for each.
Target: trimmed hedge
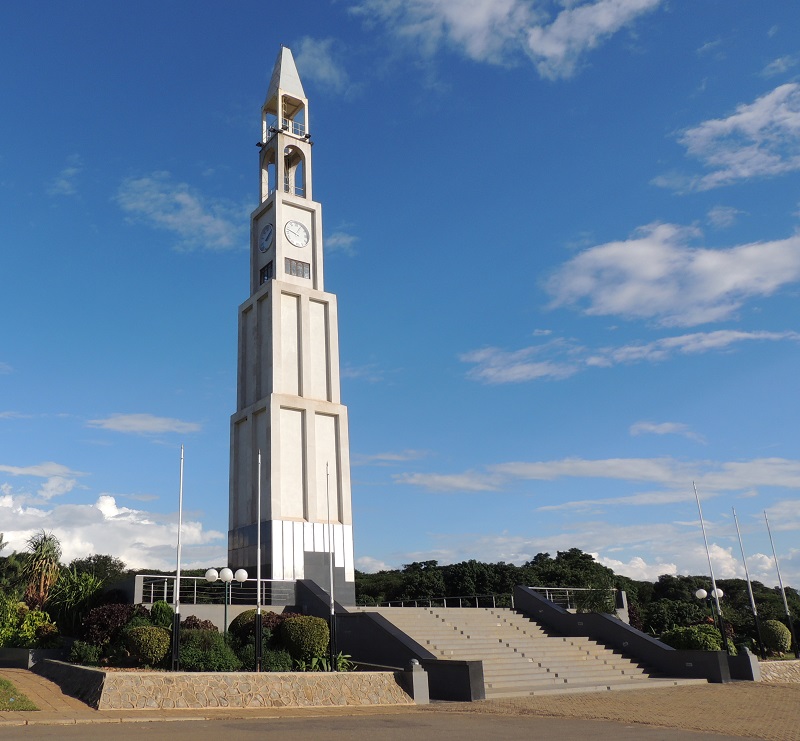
(305, 636)
(148, 643)
(162, 614)
(777, 637)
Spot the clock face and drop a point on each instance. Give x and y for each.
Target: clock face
(265, 238)
(296, 233)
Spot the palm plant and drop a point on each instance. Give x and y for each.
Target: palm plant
(71, 597)
(42, 567)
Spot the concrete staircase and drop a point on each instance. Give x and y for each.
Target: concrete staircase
(519, 658)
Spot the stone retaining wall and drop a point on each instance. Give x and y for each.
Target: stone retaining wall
(780, 671)
(163, 690)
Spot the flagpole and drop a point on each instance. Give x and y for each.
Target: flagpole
(259, 654)
(176, 618)
(332, 642)
(783, 591)
(714, 590)
(762, 650)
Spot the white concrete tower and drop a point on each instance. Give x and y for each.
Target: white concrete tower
(288, 404)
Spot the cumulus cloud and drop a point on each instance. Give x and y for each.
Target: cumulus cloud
(556, 361)
(316, 60)
(140, 538)
(555, 36)
(759, 139)
(370, 565)
(143, 424)
(657, 274)
(177, 208)
(638, 568)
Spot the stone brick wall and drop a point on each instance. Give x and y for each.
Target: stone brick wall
(780, 671)
(163, 690)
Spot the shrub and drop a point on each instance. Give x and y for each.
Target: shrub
(697, 638)
(34, 629)
(162, 614)
(243, 626)
(206, 651)
(776, 635)
(148, 643)
(84, 653)
(305, 636)
(71, 597)
(104, 624)
(192, 622)
(277, 661)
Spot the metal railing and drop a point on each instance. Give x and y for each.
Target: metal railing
(195, 590)
(569, 597)
(474, 600)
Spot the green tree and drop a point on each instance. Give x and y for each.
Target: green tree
(422, 580)
(3, 543)
(108, 569)
(42, 567)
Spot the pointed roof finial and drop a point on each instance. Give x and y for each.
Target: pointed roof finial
(285, 77)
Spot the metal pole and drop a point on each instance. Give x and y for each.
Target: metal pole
(330, 562)
(783, 591)
(258, 571)
(762, 650)
(176, 618)
(714, 592)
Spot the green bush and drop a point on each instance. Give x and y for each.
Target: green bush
(776, 635)
(105, 623)
(148, 643)
(277, 661)
(305, 637)
(702, 637)
(162, 614)
(243, 627)
(26, 628)
(695, 637)
(206, 651)
(71, 598)
(84, 653)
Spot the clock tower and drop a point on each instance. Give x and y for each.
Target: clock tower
(288, 400)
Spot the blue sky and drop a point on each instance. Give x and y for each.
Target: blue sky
(564, 237)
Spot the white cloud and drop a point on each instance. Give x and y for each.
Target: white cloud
(140, 538)
(557, 48)
(370, 372)
(468, 481)
(316, 61)
(500, 31)
(760, 139)
(674, 476)
(665, 428)
(177, 208)
(721, 217)
(64, 183)
(41, 470)
(341, 242)
(143, 424)
(370, 565)
(637, 568)
(386, 459)
(496, 366)
(780, 66)
(552, 360)
(657, 274)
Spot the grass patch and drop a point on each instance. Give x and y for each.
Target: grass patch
(10, 699)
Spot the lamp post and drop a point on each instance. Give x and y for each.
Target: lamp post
(715, 596)
(227, 576)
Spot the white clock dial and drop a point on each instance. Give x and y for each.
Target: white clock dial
(296, 233)
(265, 238)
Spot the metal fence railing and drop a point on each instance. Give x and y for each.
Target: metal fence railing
(195, 590)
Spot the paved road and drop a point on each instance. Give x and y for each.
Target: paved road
(444, 726)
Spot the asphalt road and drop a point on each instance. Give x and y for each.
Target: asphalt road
(402, 727)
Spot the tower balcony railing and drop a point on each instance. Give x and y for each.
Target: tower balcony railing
(289, 126)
